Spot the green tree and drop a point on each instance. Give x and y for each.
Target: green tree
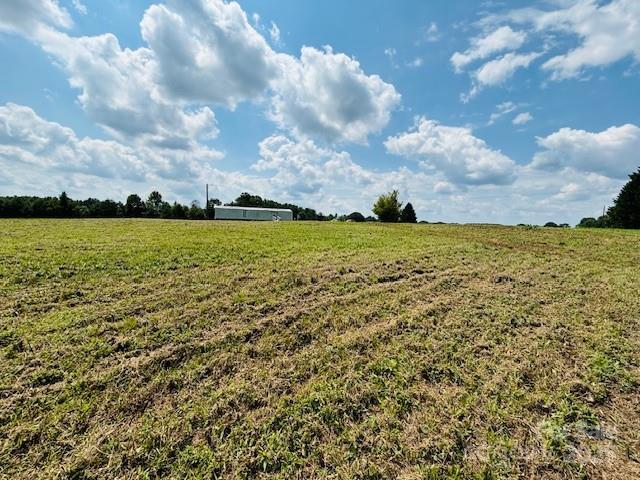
(590, 222)
(134, 207)
(625, 212)
(154, 204)
(387, 207)
(408, 214)
(178, 211)
(195, 212)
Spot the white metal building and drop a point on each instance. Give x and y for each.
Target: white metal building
(252, 213)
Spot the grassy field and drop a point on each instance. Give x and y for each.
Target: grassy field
(169, 349)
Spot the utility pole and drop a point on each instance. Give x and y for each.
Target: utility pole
(206, 208)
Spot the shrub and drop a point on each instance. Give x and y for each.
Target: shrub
(356, 217)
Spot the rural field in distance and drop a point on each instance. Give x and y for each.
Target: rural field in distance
(171, 349)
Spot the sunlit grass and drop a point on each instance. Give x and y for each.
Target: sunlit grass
(169, 349)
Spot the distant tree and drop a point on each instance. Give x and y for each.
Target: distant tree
(165, 210)
(387, 207)
(356, 217)
(408, 214)
(134, 207)
(109, 208)
(587, 222)
(590, 222)
(370, 219)
(551, 224)
(248, 200)
(65, 204)
(625, 212)
(195, 212)
(178, 211)
(154, 204)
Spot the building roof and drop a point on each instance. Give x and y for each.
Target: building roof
(259, 209)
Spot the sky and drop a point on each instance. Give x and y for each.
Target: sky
(496, 111)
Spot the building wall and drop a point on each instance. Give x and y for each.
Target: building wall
(222, 213)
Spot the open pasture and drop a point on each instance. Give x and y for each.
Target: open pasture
(170, 349)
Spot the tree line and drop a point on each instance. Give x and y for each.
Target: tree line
(135, 207)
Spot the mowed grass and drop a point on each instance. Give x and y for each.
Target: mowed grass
(169, 349)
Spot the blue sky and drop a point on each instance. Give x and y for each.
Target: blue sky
(494, 111)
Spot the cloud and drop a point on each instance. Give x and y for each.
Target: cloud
(328, 96)
(612, 152)
(206, 51)
(117, 91)
(608, 32)
(431, 33)
(390, 53)
(28, 16)
(443, 188)
(301, 167)
(504, 38)
(501, 110)
(27, 139)
(300, 171)
(522, 118)
(496, 72)
(274, 33)
(454, 151)
(415, 63)
(203, 52)
(79, 6)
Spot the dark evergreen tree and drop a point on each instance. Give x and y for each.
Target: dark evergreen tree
(408, 214)
(65, 204)
(625, 212)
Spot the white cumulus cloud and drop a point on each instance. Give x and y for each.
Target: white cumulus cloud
(28, 139)
(207, 51)
(118, 92)
(612, 152)
(455, 152)
(327, 95)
